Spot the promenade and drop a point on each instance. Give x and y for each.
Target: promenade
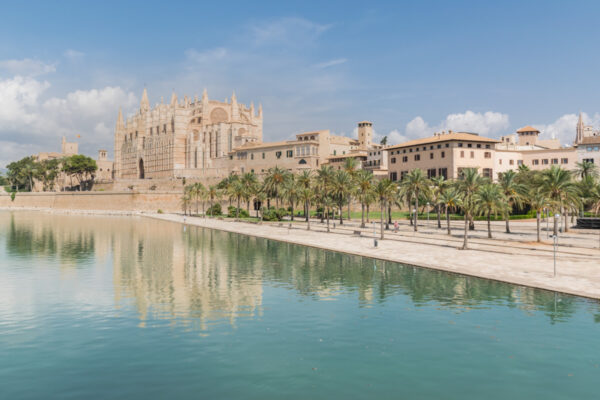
(514, 258)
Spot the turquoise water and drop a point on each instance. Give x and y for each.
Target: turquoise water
(108, 307)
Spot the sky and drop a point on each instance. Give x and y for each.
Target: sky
(412, 68)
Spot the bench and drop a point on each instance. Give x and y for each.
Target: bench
(357, 233)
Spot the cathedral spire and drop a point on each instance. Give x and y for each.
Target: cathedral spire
(252, 109)
(145, 104)
(235, 109)
(259, 110)
(120, 122)
(579, 129)
(173, 99)
(204, 99)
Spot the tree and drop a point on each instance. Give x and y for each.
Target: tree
(236, 190)
(451, 199)
(468, 185)
(306, 194)
(351, 166)
(305, 181)
(514, 192)
(250, 183)
(82, 167)
(438, 186)
(556, 184)
(585, 168)
(274, 181)
(289, 192)
(415, 183)
(384, 189)
(383, 141)
(323, 184)
(489, 200)
(364, 189)
(537, 200)
(341, 186)
(213, 193)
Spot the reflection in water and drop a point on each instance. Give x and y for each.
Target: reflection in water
(200, 277)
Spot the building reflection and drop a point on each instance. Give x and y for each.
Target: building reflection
(202, 278)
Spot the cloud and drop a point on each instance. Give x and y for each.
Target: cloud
(288, 31)
(26, 67)
(29, 123)
(73, 55)
(207, 56)
(331, 63)
(564, 128)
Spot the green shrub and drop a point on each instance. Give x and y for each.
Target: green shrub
(160, 211)
(214, 210)
(13, 194)
(231, 210)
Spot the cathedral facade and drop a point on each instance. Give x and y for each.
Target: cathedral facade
(185, 138)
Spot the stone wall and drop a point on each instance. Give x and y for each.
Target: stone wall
(106, 201)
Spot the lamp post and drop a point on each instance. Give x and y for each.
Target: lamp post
(555, 237)
(415, 218)
(547, 223)
(374, 235)
(428, 214)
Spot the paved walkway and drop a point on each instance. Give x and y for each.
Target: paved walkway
(513, 258)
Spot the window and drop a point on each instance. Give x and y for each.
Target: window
(302, 162)
(393, 160)
(500, 161)
(410, 150)
(404, 151)
(252, 156)
(431, 173)
(417, 149)
(519, 162)
(535, 162)
(511, 162)
(278, 154)
(403, 174)
(431, 147)
(564, 160)
(469, 145)
(151, 131)
(393, 176)
(424, 148)
(263, 156)
(472, 154)
(447, 144)
(487, 154)
(439, 146)
(335, 152)
(443, 172)
(478, 145)
(555, 161)
(590, 160)
(487, 146)
(487, 172)
(405, 159)
(443, 154)
(431, 156)
(545, 161)
(289, 153)
(417, 157)
(460, 145)
(462, 154)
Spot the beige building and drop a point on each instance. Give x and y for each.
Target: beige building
(443, 154)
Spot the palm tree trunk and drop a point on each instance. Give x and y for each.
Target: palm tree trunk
(307, 219)
(381, 217)
(389, 212)
(437, 207)
(507, 225)
(416, 211)
(566, 220)
(306, 211)
(471, 224)
(362, 215)
(197, 205)
(349, 201)
(537, 217)
(448, 220)
(555, 228)
(327, 219)
(292, 205)
(489, 223)
(465, 246)
(368, 213)
(237, 210)
(341, 213)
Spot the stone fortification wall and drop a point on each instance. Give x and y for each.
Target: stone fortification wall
(105, 201)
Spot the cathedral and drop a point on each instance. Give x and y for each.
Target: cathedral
(185, 138)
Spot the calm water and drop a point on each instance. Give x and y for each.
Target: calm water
(107, 307)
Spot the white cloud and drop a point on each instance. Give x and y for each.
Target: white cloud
(289, 31)
(564, 127)
(331, 63)
(206, 56)
(29, 123)
(73, 55)
(26, 67)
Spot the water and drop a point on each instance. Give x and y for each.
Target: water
(109, 307)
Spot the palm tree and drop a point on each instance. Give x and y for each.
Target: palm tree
(468, 185)
(364, 186)
(289, 192)
(306, 194)
(451, 199)
(585, 169)
(213, 193)
(305, 181)
(489, 200)
(438, 185)
(274, 181)
(351, 166)
(323, 184)
(556, 184)
(261, 197)
(328, 203)
(384, 189)
(250, 183)
(416, 184)
(341, 185)
(537, 200)
(514, 192)
(236, 190)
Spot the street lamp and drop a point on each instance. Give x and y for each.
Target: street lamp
(555, 237)
(428, 214)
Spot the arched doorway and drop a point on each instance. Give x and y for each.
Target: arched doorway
(141, 169)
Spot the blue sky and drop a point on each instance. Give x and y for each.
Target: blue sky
(410, 67)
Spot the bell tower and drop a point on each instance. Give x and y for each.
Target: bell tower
(365, 135)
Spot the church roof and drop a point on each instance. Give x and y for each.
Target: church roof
(528, 128)
(590, 140)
